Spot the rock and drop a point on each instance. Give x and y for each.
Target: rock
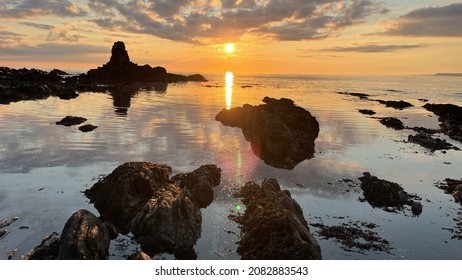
(84, 237)
(196, 78)
(7, 222)
(57, 72)
(384, 194)
(68, 94)
(139, 256)
(453, 187)
(392, 122)
(273, 226)
(430, 143)
(71, 120)
(423, 99)
(120, 69)
(450, 117)
(367, 112)
(2, 233)
(279, 132)
(47, 250)
(87, 128)
(416, 208)
(399, 105)
(171, 220)
(123, 193)
(356, 94)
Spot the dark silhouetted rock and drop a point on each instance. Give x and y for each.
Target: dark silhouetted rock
(84, 237)
(120, 69)
(68, 94)
(71, 120)
(87, 128)
(367, 112)
(423, 99)
(171, 220)
(452, 187)
(273, 226)
(392, 122)
(430, 143)
(450, 117)
(47, 250)
(57, 72)
(141, 256)
(123, 193)
(384, 194)
(416, 208)
(355, 94)
(2, 233)
(399, 105)
(279, 132)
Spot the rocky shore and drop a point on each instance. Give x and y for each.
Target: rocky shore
(33, 84)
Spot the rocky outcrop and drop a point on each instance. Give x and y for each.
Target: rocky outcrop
(450, 117)
(84, 237)
(452, 187)
(123, 193)
(430, 143)
(33, 84)
(47, 250)
(163, 213)
(273, 226)
(388, 195)
(121, 69)
(279, 132)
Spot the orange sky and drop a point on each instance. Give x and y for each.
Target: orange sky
(271, 36)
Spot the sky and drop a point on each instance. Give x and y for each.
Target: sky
(333, 37)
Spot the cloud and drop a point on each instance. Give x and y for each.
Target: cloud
(44, 51)
(8, 37)
(373, 48)
(38, 25)
(197, 21)
(35, 8)
(443, 21)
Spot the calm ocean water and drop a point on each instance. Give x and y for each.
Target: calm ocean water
(44, 167)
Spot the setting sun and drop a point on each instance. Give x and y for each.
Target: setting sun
(229, 48)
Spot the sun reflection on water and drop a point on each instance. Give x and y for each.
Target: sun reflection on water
(229, 79)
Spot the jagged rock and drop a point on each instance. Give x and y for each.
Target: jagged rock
(392, 122)
(383, 193)
(57, 72)
(171, 220)
(84, 237)
(87, 128)
(2, 233)
(279, 132)
(450, 117)
(47, 250)
(123, 193)
(120, 69)
(7, 222)
(430, 143)
(273, 226)
(71, 120)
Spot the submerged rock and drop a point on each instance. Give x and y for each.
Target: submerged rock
(355, 94)
(430, 143)
(385, 194)
(450, 117)
(273, 226)
(399, 105)
(84, 237)
(71, 120)
(452, 187)
(87, 128)
(279, 132)
(392, 122)
(367, 112)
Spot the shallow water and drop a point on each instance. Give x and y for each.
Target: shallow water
(45, 167)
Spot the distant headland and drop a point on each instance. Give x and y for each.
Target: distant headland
(449, 74)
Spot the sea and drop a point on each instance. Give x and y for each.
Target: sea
(44, 168)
